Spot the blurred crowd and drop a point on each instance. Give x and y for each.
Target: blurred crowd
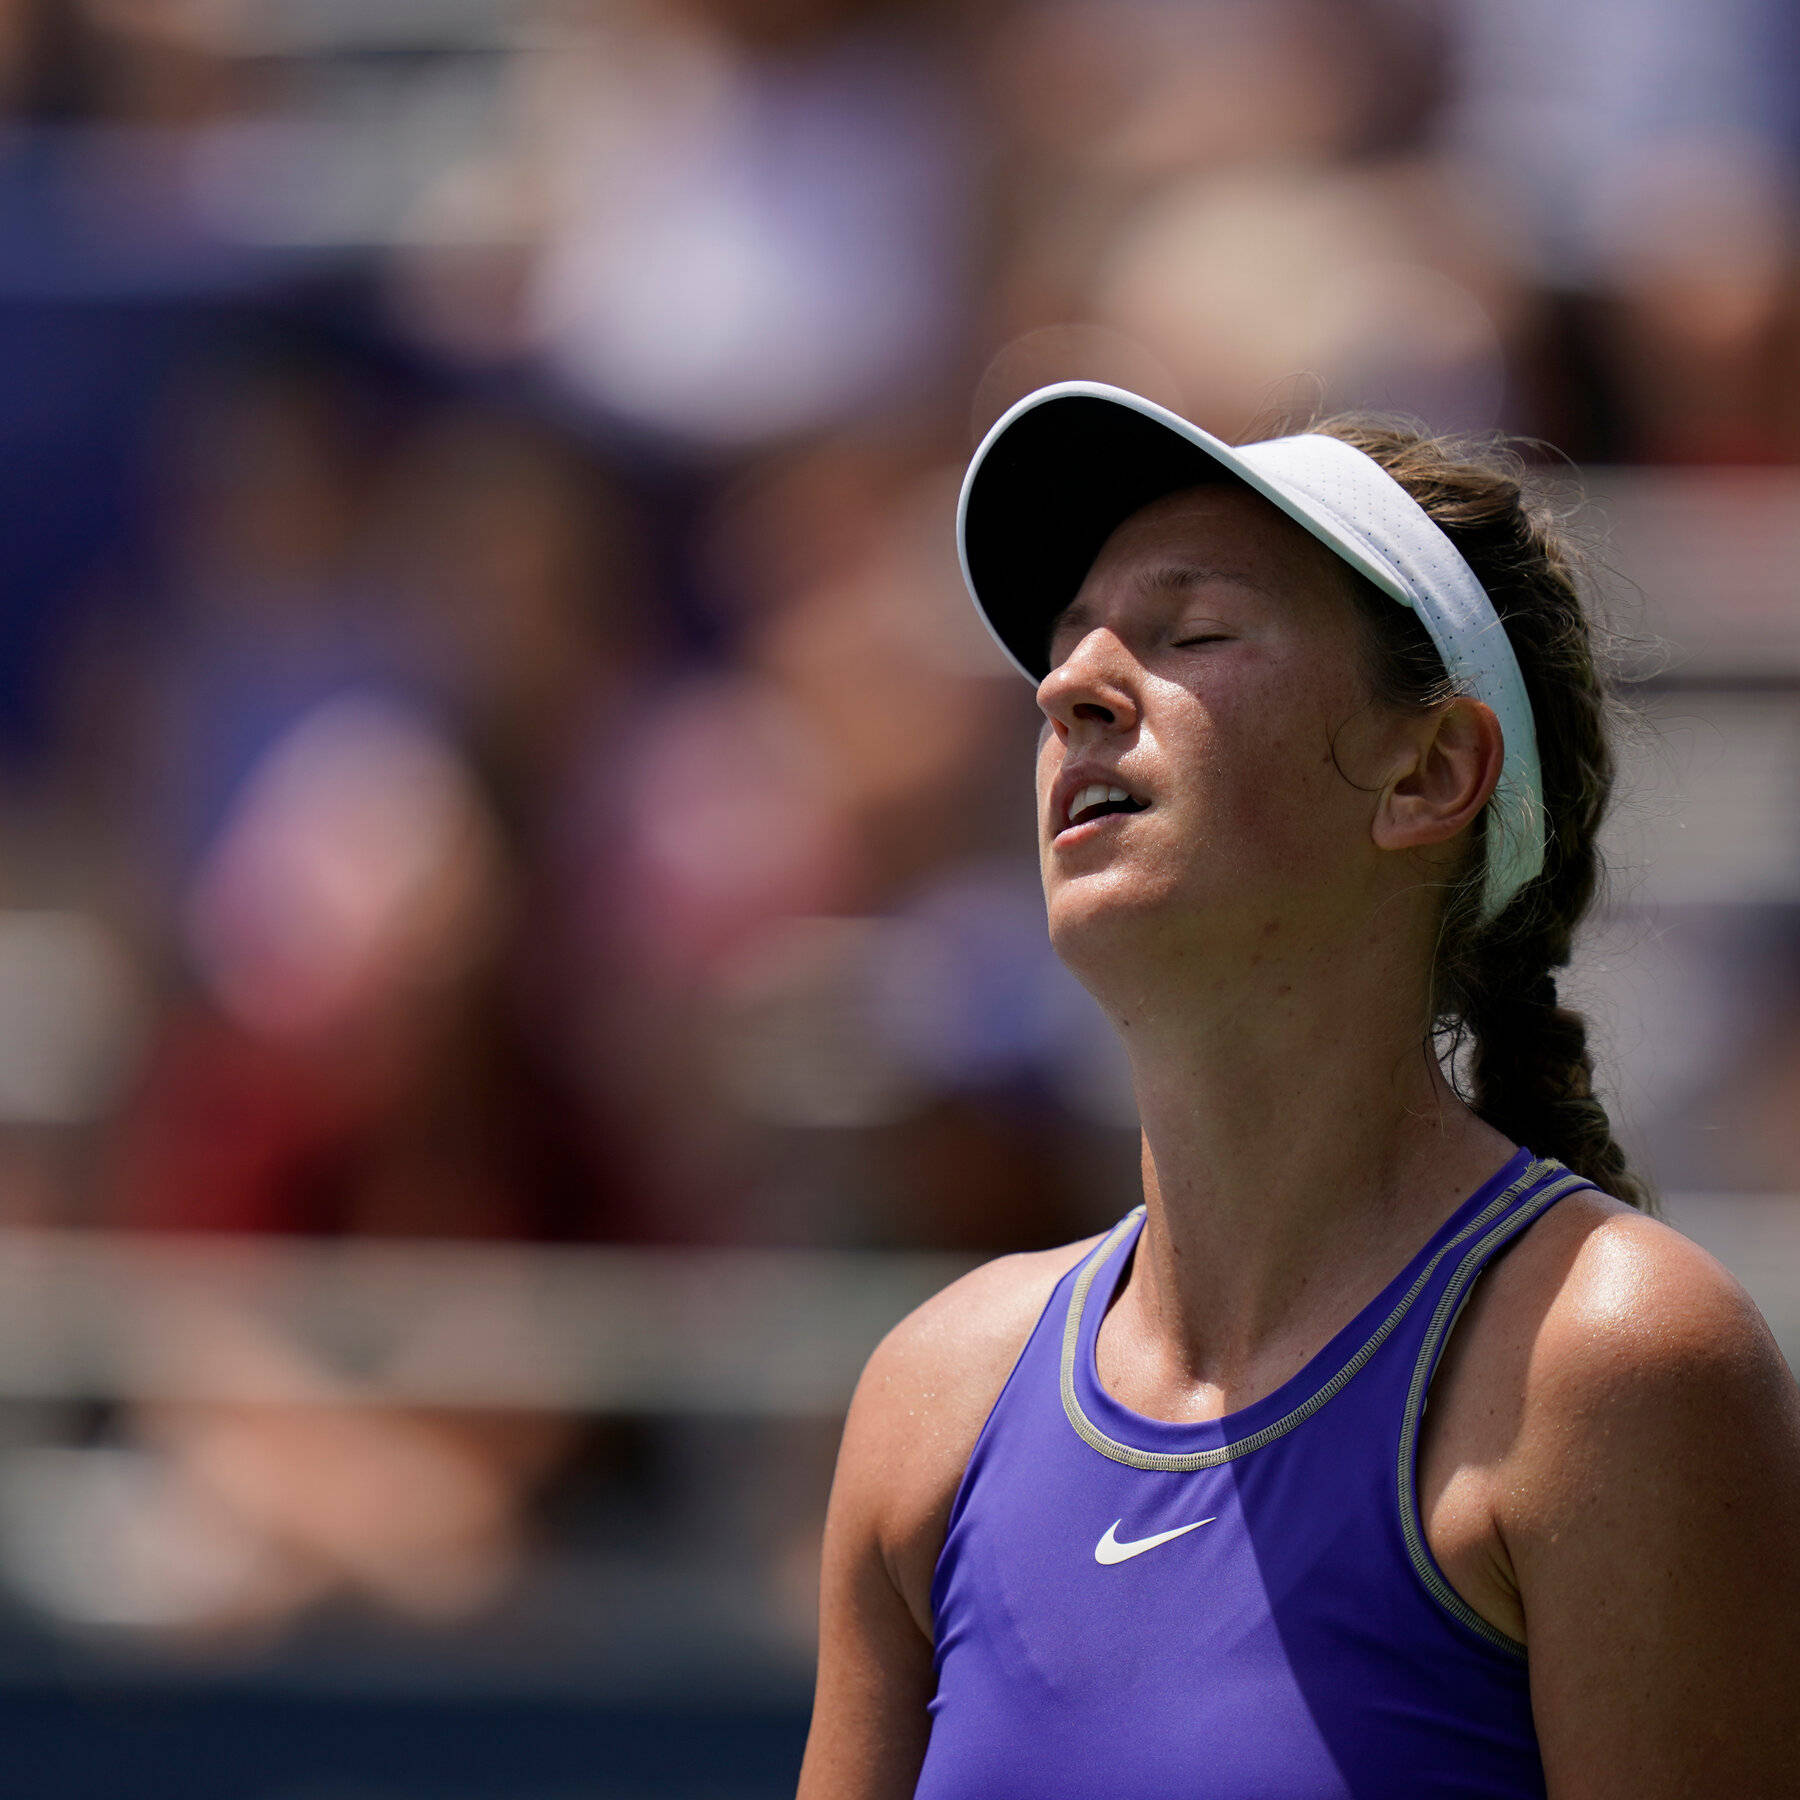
(492, 742)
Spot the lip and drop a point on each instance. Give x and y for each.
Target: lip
(1070, 783)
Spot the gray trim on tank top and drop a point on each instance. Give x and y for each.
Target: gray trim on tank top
(1443, 1322)
(1097, 1439)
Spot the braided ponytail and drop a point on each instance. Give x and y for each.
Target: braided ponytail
(1524, 1055)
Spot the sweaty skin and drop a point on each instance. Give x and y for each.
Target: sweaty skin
(1610, 1464)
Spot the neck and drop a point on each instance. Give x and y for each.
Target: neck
(1299, 1143)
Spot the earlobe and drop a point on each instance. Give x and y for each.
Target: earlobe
(1457, 755)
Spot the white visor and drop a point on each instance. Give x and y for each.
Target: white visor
(1068, 464)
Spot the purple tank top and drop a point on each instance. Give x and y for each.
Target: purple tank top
(1128, 1609)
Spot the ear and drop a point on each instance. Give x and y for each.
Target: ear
(1453, 766)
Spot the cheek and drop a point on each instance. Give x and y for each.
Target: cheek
(1267, 778)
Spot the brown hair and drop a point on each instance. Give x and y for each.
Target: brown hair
(1495, 1007)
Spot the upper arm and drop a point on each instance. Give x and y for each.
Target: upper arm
(918, 1410)
(1653, 1527)
(875, 1659)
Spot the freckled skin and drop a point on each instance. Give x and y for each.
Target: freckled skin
(1256, 712)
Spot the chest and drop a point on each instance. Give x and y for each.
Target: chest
(1464, 1429)
(1250, 1628)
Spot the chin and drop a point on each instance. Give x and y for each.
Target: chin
(1095, 922)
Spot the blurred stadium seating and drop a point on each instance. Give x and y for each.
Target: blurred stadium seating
(519, 946)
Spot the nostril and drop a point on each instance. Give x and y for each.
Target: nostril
(1092, 709)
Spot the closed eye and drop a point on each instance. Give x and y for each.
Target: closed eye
(1189, 643)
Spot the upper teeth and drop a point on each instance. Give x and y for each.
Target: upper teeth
(1096, 793)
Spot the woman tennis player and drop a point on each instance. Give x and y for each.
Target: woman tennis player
(1386, 1449)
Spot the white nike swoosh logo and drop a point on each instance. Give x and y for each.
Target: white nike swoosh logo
(1110, 1550)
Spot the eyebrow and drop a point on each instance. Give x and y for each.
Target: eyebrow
(1169, 578)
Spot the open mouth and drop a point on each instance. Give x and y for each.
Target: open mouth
(1098, 800)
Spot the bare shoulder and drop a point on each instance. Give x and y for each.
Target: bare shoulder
(1644, 1361)
(1627, 1421)
(1609, 1304)
(1601, 1312)
(923, 1398)
(964, 1340)
(917, 1412)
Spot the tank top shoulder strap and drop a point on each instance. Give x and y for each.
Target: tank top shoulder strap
(1544, 1183)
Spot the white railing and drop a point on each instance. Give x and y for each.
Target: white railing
(776, 1333)
(90, 1315)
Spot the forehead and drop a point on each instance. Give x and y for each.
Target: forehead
(1219, 533)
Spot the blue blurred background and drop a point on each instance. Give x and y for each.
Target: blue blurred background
(519, 944)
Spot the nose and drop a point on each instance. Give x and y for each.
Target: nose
(1092, 685)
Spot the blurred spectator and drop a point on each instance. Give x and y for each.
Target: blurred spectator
(358, 1048)
(1099, 103)
(731, 223)
(349, 1065)
(1644, 146)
